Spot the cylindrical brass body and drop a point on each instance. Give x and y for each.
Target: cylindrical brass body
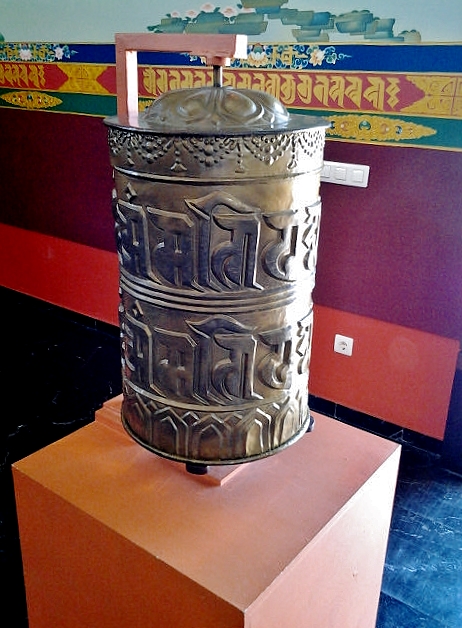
(217, 238)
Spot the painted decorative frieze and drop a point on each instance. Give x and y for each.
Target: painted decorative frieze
(404, 95)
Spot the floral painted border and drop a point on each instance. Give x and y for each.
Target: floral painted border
(282, 56)
(289, 57)
(35, 52)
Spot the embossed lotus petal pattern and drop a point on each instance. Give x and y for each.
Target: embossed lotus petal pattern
(191, 153)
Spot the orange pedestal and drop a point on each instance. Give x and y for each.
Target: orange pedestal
(114, 536)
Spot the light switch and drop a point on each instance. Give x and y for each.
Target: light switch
(340, 174)
(355, 175)
(325, 170)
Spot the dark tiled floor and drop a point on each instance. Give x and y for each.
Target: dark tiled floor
(58, 368)
(422, 583)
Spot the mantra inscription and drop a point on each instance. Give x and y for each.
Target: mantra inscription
(219, 362)
(216, 321)
(194, 388)
(215, 243)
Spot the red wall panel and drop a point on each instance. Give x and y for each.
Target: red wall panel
(395, 373)
(74, 276)
(398, 374)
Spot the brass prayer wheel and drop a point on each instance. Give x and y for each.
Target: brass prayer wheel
(217, 215)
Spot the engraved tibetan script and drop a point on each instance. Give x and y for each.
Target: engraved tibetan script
(215, 243)
(220, 361)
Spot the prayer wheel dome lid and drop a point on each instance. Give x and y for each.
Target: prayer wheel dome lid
(219, 111)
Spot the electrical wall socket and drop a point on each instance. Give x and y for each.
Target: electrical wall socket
(345, 174)
(343, 344)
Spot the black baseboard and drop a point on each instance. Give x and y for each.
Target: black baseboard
(376, 426)
(452, 444)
